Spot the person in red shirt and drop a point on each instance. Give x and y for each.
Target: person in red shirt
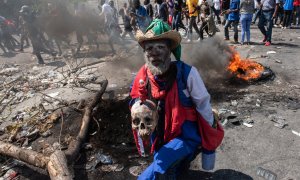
(297, 12)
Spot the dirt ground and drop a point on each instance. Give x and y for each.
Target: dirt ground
(244, 149)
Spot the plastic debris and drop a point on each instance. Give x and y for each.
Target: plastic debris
(99, 158)
(296, 133)
(258, 103)
(9, 175)
(226, 115)
(266, 174)
(271, 52)
(280, 122)
(249, 123)
(54, 94)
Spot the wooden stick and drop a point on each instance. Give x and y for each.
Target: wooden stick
(75, 144)
(57, 166)
(26, 155)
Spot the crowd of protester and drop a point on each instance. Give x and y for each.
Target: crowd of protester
(235, 14)
(186, 16)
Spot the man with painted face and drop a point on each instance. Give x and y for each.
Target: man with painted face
(185, 117)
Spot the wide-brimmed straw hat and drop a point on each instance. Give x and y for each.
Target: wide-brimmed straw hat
(158, 30)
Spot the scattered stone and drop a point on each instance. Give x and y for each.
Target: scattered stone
(112, 85)
(46, 134)
(136, 170)
(88, 146)
(234, 103)
(263, 56)
(248, 99)
(258, 103)
(112, 168)
(278, 61)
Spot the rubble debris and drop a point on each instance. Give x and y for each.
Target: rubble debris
(247, 99)
(88, 146)
(280, 122)
(248, 123)
(226, 116)
(112, 168)
(278, 61)
(9, 71)
(234, 103)
(99, 158)
(293, 103)
(10, 175)
(46, 133)
(137, 170)
(258, 103)
(266, 174)
(56, 163)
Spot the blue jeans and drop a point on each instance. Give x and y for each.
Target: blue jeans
(176, 20)
(297, 9)
(266, 18)
(246, 22)
(172, 157)
(235, 29)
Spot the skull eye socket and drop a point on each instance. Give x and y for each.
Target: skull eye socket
(136, 121)
(148, 121)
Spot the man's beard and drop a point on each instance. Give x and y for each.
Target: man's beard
(160, 69)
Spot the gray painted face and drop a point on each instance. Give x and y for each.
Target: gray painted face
(157, 56)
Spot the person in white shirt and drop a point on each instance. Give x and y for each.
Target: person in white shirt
(217, 9)
(106, 11)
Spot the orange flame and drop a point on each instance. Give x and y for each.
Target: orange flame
(244, 69)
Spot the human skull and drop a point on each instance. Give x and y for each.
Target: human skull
(144, 117)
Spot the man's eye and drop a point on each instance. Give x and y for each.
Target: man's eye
(161, 47)
(149, 49)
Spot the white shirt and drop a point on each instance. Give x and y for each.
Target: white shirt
(217, 4)
(196, 89)
(107, 11)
